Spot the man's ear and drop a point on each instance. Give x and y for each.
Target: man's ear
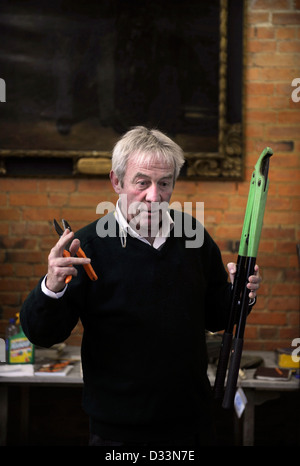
(115, 182)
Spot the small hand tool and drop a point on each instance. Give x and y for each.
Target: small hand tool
(80, 253)
(240, 305)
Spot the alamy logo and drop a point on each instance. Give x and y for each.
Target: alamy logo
(155, 221)
(2, 90)
(296, 92)
(2, 350)
(296, 351)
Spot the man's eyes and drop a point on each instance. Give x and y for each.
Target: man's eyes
(165, 183)
(145, 183)
(142, 182)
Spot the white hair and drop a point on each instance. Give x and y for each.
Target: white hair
(145, 145)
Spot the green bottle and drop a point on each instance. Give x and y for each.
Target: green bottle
(20, 349)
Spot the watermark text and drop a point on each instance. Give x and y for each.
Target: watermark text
(154, 221)
(296, 92)
(2, 90)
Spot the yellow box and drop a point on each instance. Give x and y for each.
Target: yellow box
(285, 360)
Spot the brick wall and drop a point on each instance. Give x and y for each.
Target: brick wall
(271, 119)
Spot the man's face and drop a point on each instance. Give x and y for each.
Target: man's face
(145, 186)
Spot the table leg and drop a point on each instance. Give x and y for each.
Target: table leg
(24, 415)
(3, 414)
(249, 419)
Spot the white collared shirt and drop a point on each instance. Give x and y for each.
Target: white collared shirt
(161, 236)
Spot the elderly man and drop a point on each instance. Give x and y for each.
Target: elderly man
(143, 348)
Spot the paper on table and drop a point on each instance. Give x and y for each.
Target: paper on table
(16, 370)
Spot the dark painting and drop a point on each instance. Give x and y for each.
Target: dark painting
(80, 74)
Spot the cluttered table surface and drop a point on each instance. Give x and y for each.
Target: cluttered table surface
(47, 367)
(27, 373)
(256, 390)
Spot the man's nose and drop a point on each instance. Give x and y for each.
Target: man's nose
(153, 193)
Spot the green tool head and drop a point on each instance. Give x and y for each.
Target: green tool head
(255, 209)
(262, 165)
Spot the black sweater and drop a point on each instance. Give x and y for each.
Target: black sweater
(143, 348)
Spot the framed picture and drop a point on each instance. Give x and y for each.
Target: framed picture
(79, 74)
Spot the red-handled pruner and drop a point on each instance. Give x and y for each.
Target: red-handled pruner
(80, 253)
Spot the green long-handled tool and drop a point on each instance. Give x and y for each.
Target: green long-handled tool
(240, 305)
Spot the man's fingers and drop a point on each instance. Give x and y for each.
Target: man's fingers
(74, 246)
(61, 265)
(63, 262)
(254, 282)
(62, 243)
(231, 266)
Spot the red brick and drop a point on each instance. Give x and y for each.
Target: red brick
(25, 199)
(23, 270)
(270, 4)
(30, 257)
(64, 185)
(262, 116)
(257, 46)
(288, 333)
(18, 184)
(212, 217)
(284, 304)
(9, 213)
(258, 17)
(260, 88)
(88, 199)
(4, 229)
(279, 74)
(13, 242)
(265, 33)
(10, 299)
(268, 333)
(295, 204)
(285, 32)
(284, 247)
(228, 232)
(38, 228)
(254, 101)
(80, 214)
(268, 318)
(286, 18)
(278, 204)
(292, 275)
(282, 132)
(6, 270)
(294, 318)
(41, 214)
(271, 260)
(292, 189)
(285, 160)
(12, 284)
(290, 116)
(285, 289)
(289, 46)
(272, 59)
(94, 186)
(58, 199)
(266, 246)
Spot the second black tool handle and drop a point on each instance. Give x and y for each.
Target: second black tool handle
(233, 373)
(222, 365)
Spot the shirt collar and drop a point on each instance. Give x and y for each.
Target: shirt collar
(162, 235)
